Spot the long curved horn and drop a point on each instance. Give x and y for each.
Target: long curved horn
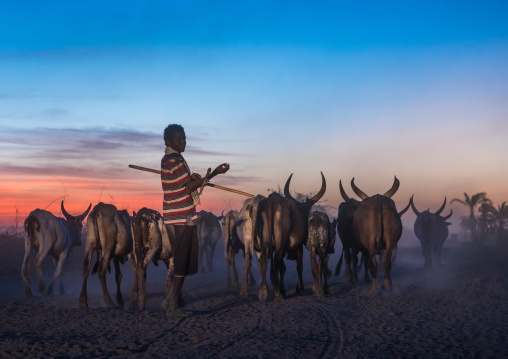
(442, 207)
(342, 192)
(406, 208)
(286, 188)
(83, 216)
(358, 191)
(66, 215)
(394, 188)
(413, 206)
(448, 216)
(321, 192)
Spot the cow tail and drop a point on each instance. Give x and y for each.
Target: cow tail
(339, 265)
(32, 225)
(97, 243)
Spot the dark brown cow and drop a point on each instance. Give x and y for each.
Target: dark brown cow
(350, 246)
(378, 227)
(110, 235)
(432, 230)
(288, 221)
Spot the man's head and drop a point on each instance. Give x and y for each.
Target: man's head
(174, 137)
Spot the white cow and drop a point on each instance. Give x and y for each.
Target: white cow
(49, 235)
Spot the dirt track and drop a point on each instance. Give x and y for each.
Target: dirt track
(457, 310)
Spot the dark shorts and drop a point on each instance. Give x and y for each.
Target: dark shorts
(184, 244)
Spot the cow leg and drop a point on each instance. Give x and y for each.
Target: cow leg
(387, 268)
(102, 277)
(373, 270)
(299, 268)
(366, 278)
(25, 269)
(83, 297)
(58, 272)
(263, 264)
(353, 268)
(274, 275)
(246, 271)
(202, 250)
(235, 273)
(347, 255)
(210, 258)
(43, 252)
(282, 272)
(325, 273)
(229, 263)
(118, 280)
(316, 285)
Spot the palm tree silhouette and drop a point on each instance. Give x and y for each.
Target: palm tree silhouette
(472, 202)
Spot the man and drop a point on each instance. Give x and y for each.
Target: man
(179, 210)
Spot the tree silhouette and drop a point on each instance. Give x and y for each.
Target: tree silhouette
(472, 203)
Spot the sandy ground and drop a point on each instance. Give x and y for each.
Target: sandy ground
(459, 310)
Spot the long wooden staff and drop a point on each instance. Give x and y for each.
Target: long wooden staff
(208, 184)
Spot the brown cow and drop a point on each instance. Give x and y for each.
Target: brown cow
(378, 227)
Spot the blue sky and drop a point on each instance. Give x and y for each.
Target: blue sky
(354, 89)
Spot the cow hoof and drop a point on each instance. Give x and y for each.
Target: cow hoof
(28, 293)
(244, 292)
(108, 302)
(283, 292)
(263, 294)
(83, 304)
(327, 291)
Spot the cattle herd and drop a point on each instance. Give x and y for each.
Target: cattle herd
(272, 228)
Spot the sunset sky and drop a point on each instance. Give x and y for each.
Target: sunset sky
(368, 89)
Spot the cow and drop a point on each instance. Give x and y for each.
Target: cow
(110, 236)
(350, 245)
(378, 227)
(151, 244)
(240, 233)
(288, 221)
(432, 230)
(209, 232)
(320, 244)
(47, 234)
(345, 230)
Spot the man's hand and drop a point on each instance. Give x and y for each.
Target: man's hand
(195, 176)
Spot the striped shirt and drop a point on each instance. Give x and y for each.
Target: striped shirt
(177, 198)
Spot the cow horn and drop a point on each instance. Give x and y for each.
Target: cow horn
(358, 191)
(448, 216)
(83, 216)
(342, 192)
(442, 207)
(66, 215)
(406, 208)
(413, 206)
(286, 188)
(394, 188)
(321, 192)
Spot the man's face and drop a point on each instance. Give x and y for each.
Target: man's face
(178, 142)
